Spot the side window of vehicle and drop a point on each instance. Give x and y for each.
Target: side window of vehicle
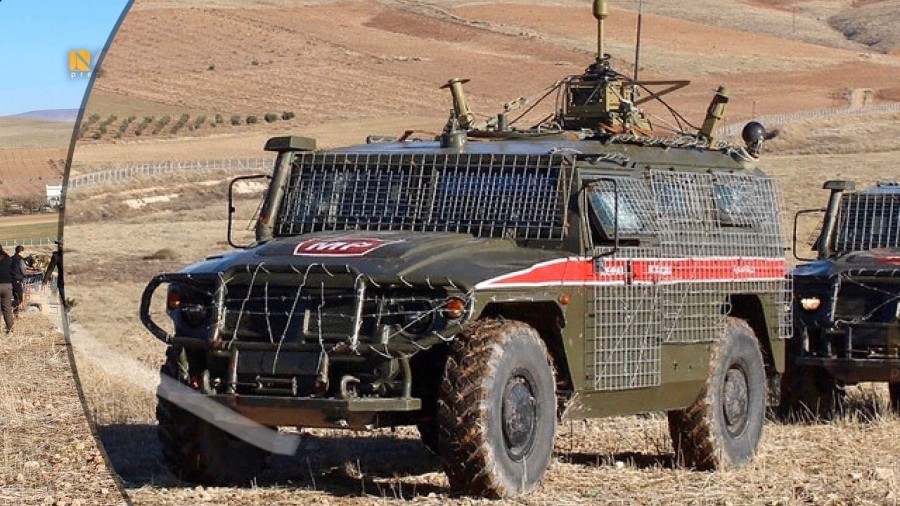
(613, 210)
(622, 204)
(734, 205)
(682, 197)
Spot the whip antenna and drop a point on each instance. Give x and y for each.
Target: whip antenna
(637, 46)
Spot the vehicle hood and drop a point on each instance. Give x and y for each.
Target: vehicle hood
(876, 262)
(388, 257)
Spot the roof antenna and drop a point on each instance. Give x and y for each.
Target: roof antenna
(637, 47)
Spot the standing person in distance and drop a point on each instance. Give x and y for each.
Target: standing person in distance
(56, 262)
(17, 273)
(6, 290)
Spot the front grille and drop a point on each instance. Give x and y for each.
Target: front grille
(866, 301)
(868, 221)
(269, 312)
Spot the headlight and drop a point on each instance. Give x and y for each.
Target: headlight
(188, 303)
(416, 317)
(810, 303)
(194, 314)
(173, 297)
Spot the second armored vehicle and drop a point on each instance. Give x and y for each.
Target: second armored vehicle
(847, 327)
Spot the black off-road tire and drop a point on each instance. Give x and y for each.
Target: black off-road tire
(723, 427)
(894, 390)
(497, 410)
(808, 393)
(195, 450)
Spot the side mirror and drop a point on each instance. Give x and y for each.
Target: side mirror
(816, 231)
(232, 209)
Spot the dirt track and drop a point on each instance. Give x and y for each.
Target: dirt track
(28, 219)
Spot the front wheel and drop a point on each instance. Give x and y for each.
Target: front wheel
(196, 450)
(808, 393)
(497, 410)
(723, 427)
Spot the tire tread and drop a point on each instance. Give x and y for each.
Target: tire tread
(467, 457)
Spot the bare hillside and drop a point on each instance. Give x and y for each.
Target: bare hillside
(32, 155)
(272, 66)
(30, 133)
(875, 24)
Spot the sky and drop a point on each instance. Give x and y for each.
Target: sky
(36, 37)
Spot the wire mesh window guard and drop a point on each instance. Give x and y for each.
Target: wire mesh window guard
(513, 196)
(868, 221)
(702, 233)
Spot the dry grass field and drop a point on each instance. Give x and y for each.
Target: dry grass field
(49, 454)
(24, 228)
(352, 68)
(32, 155)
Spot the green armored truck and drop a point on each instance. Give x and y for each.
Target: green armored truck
(486, 284)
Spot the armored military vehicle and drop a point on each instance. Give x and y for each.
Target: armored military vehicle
(847, 316)
(487, 283)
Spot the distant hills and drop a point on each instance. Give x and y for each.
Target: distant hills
(66, 115)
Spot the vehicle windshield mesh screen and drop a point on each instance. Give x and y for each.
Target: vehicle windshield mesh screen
(512, 196)
(868, 221)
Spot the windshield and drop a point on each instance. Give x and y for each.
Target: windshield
(485, 195)
(868, 221)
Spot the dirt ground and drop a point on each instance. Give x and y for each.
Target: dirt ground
(28, 219)
(49, 453)
(26, 172)
(32, 155)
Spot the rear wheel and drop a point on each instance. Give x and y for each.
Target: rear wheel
(497, 410)
(723, 427)
(195, 450)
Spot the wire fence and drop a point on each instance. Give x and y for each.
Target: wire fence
(119, 175)
(127, 173)
(42, 241)
(834, 112)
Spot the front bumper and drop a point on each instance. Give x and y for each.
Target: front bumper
(853, 352)
(360, 413)
(851, 370)
(385, 339)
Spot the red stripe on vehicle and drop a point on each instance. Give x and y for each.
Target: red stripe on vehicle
(707, 269)
(563, 271)
(580, 271)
